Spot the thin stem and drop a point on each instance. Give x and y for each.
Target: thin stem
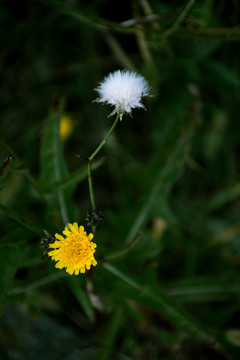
(92, 199)
(90, 159)
(105, 139)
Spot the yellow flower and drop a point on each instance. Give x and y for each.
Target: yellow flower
(75, 251)
(66, 127)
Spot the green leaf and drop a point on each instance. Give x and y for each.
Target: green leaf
(37, 283)
(111, 334)
(20, 219)
(81, 296)
(10, 258)
(4, 169)
(158, 300)
(17, 238)
(53, 166)
(222, 198)
(221, 74)
(164, 170)
(77, 176)
(205, 292)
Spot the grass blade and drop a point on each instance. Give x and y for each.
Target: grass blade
(53, 166)
(10, 258)
(167, 307)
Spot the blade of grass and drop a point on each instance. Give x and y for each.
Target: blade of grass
(4, 169)
(44, 281)
(180, 19)
(111, 334)
(77, 176)
(221, 199)
(167, 307)
(53, 166)
(169, 171)
(204, 292)
(20, 236)
(20, 219)
(81, 296)
(10, 259)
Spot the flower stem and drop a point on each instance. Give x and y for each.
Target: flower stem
(90, 185)
(90, 159)
(105, 139)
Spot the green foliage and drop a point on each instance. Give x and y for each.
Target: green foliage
(155, 298)
(167, 180)
(53, 166)
(12, 254)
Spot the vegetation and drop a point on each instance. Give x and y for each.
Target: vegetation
(166, 183)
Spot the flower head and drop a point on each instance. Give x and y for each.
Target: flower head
(75, 251)
(66, 127)
(124, 90)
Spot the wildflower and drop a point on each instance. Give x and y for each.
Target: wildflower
(75, 251)
(66, 127)
(124, 90)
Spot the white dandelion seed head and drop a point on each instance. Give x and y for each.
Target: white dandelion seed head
(124, 90)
